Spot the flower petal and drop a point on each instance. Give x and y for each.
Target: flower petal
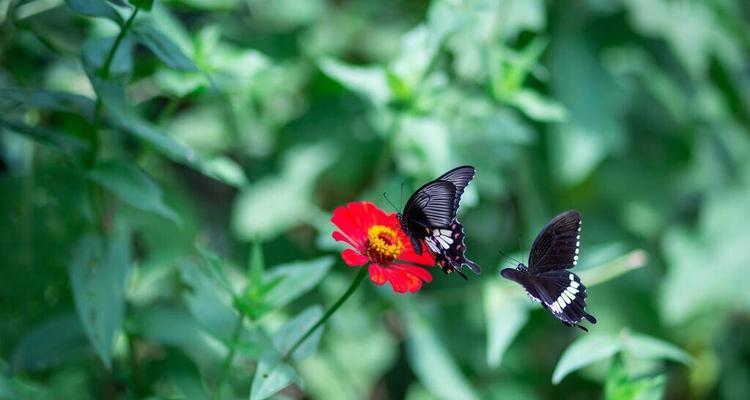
(352, 258)
(417, 272)
(377, 275)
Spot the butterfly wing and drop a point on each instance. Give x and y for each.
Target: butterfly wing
(557, 245)
(447, 245)
(429, 207)
(563, 294)
(460, 178)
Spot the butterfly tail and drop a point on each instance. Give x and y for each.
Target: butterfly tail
(473, 266)
(589, 317)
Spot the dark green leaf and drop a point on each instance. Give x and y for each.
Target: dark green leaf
(619, 386)
(133, 186)
(49, 343)
(46, 136)
(162, 46)
(144, 5)
(49, 100)
(95, 8)
(99, 269)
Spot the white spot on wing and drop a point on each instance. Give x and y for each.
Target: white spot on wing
(574, 284)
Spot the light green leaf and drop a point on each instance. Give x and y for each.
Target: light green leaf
(133, 186)
(295, 279)
(256, 267)
(95, 8)
(432, 364)
(162, 46)
(619, 386)
(538, 107)
(223, 169)
(208, 302)
(369, 82)
(642, 346)
(506, 313)
(585, 350)
(277, 203)
(271, 376)
(98, 271)
(293, 330)
(50, 343)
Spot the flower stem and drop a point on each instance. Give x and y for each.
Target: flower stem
(94, 145)
(355, 284)
(230, 356)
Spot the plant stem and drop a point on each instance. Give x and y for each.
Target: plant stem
(230, 356)
(94, 149)
(355, 284)
(135, 367)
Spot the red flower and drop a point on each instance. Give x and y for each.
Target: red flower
(377, 239)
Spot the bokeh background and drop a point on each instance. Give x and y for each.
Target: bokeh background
(166, 184)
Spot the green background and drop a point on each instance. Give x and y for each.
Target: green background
(167, 180)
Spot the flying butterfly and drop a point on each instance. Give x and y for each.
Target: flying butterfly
(429, 217)
(547, 279)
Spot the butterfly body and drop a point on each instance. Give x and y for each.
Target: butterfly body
(546, 279)
(429, 218)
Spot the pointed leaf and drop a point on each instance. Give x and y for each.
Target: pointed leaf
(584, 351)
(95, 8)
(295, 279)
(506, 314)
(133, 186)
(162, 46)
(643, 346)
(50, 343)
(271, 376)
(98, 271)
(430, 361)
(293, 330)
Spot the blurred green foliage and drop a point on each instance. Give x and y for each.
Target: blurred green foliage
(167, 172)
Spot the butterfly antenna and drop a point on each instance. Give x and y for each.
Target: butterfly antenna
(390, 202)
(401, 196)
(507, 256)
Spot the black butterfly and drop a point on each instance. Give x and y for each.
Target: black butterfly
(547, 279)
(430, 216)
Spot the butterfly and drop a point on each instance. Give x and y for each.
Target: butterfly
(547, 279)
(429, 217)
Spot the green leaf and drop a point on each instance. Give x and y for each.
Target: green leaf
(133, 186)
(271, 376)
(162, 46)
(614, 268)
(642, 346)
(50, 343)
(94, 53)
(256, 267)
(584, 351)
(175, 327)
(295, 279)
(276, 203)
(538, 107)
(506, 313)
(431, 362)
(99, 270)
(619, 386)
(144, 5)
(50, 101)
(210, 305)
(293, 330)
(369, 82)
(47, 136)
(95, 8)
(223, 169)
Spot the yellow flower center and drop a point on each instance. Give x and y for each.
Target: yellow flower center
(383, 244)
